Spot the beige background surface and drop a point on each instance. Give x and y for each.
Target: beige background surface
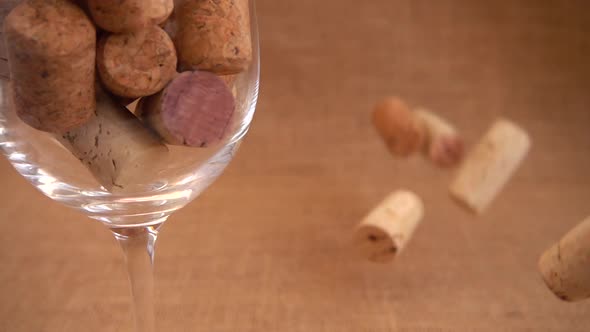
(267, 248)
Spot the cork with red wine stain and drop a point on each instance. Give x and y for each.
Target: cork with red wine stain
(406, 132)
(444, 146)
(195, 110)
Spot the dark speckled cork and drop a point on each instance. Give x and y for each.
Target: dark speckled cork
(51, 52)
(119, 15)
(193, 110)
(214, 36)
(136, 64)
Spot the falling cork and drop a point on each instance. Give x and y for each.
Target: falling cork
(407, 132)
(136, 64)
(194, 110)
(51, 53)
(213, 35)
(403, 133)
(565, 267)
(388, 228)
(490, 165)
(443, 146)
(118, 150)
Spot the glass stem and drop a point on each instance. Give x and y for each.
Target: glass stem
(138, 246)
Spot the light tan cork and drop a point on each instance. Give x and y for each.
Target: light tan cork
(399, 128)
(388, 228)
(489, 166)
(565, 267)
(136, 64)
(51, 52)
(213, 36)
(118, 150)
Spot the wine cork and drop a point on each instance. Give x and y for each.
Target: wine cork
(490, 165)
(51, 53)
(565, 267)
(402, 132)
(193, 110)
(120, 16)
(388, 228)
(136, 64)
(214, 36)
(160, 10)
(117, 149)
(443, 146)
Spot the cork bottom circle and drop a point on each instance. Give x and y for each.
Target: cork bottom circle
(375, 244)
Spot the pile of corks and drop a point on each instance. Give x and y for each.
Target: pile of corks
(74, 66)
(55, 47)
(481, 175)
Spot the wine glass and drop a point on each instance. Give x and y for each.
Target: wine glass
(134, 215)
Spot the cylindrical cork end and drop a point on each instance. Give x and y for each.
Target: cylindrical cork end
(388, 228)
(565, 267)
(136, 64)
(402, 132)
(375, 244)
(446, 152)
(193, 110)
(444, 146)
(120, 16)
(489, 166)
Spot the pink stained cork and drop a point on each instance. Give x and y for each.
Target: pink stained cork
(446, 151)
(194, 110)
